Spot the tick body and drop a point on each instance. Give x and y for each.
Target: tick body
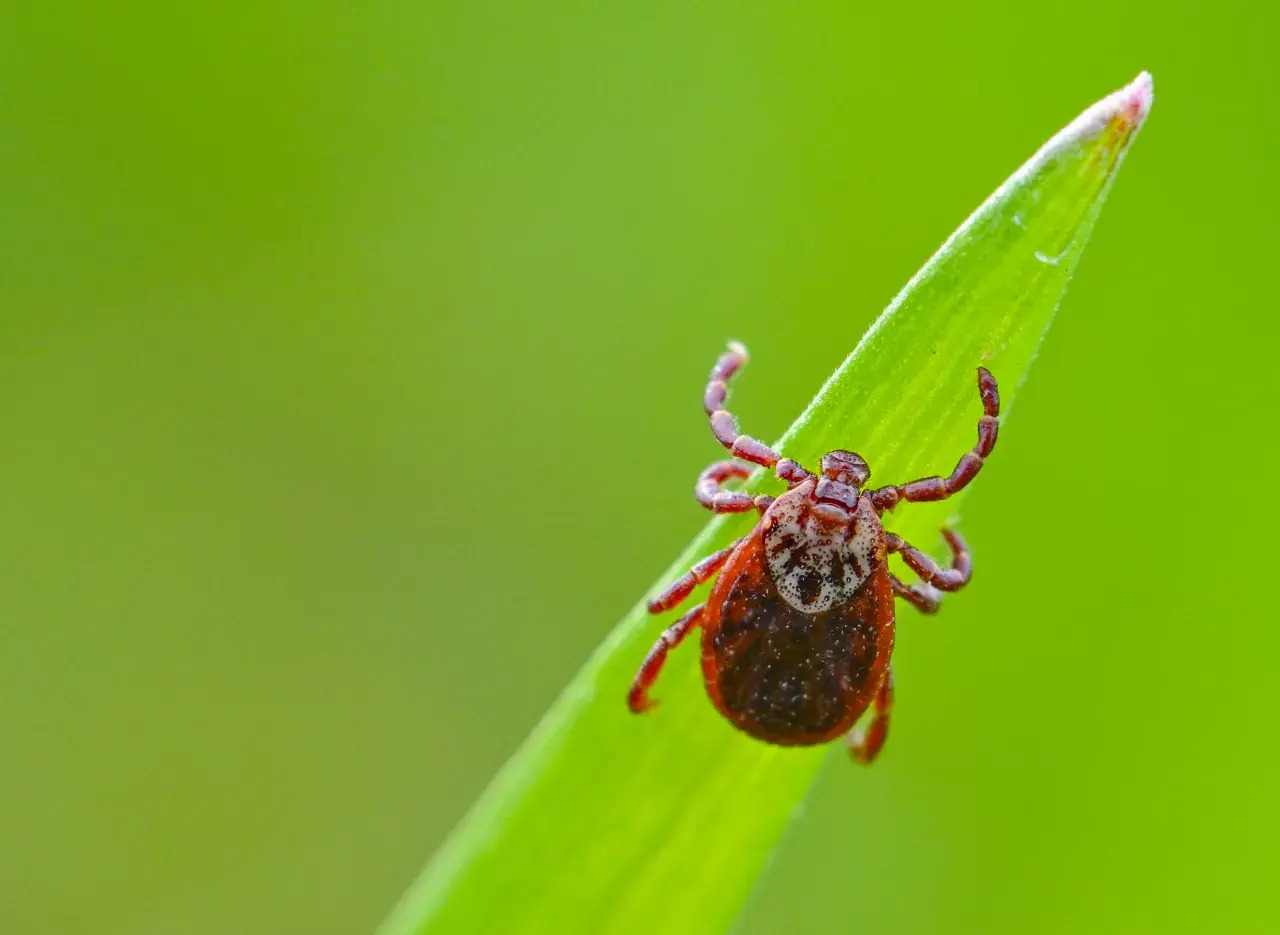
(798, 630)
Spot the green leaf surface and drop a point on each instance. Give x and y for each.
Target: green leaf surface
(606, 822)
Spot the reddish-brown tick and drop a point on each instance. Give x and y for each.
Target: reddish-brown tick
(798, 629)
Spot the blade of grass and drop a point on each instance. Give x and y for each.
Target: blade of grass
(608, 823)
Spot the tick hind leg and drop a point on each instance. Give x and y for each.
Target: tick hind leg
(966, 469)
(723, 424)
(944, 579)
(638, 698)
(864, 743)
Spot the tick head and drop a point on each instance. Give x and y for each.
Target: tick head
(845, 467)
(843, 474)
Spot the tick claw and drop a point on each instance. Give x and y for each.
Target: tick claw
(641, 705)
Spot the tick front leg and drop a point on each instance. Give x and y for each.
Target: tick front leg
(939, 488)
(924, 597)
(723, 423)
(864, 743)
(690, 580)
(944, 579)
(638, 698)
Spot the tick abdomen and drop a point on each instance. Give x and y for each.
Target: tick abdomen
(787, 676)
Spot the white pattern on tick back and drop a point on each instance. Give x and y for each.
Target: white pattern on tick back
(817, 564)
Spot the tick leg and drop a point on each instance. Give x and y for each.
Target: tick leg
(865, 743)
(714, 497)
(690, 580)
(944, 579)
(924, 597)
(967, 468)
(638, 698)
(723, 423)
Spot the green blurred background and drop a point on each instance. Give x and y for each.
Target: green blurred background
(350, 361)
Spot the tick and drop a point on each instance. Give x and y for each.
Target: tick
(798, 628)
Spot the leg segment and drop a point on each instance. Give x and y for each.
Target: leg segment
(924, 597)
(690, 580)
(967, 468)
(865, 743)
(944, 579)
(723, 423)
(711, 495)
(791, 472)
(638, 698)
